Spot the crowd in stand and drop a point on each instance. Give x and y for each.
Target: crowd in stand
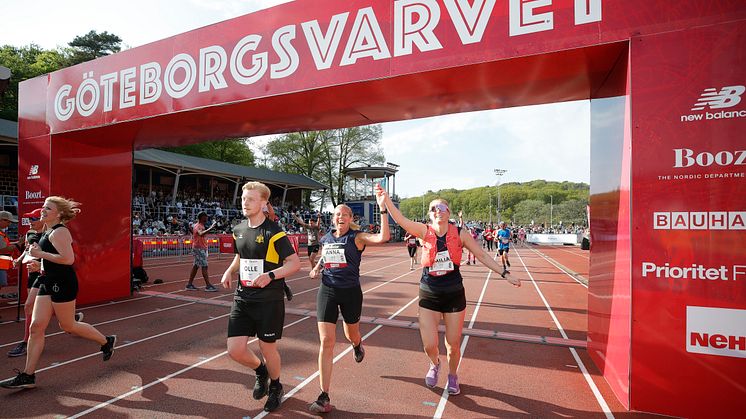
(155, 213)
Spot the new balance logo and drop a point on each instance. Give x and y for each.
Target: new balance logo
(712, 98)
(727, 97)
(34, 170)
(715, 220)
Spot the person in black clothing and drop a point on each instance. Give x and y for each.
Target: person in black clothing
(264, 257)
(57, 291)
(340, 291)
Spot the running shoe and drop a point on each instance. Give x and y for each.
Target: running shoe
(431, 379)
(191, 287)
(322, 404)
(22, 380)
(288, 293)
(274, 398)
(359, 352)
(453, 387)
(211, 288)
(108, 347)
(261, 385)
(19, 350)
(79, 316)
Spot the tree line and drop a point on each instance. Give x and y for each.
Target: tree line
(537, 202)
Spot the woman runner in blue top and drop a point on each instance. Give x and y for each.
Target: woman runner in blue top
(340, 290)
(441, 291)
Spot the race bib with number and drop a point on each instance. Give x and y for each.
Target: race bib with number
(505, 240)
(250, 271)
(412, 242)
(334, 256)
(442, 265)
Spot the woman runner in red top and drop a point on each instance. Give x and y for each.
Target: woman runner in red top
(442, 295)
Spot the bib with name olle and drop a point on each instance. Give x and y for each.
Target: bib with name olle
(250, 270)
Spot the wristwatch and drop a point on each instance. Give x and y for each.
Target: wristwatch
(271, 275)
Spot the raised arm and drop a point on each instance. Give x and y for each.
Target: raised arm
(300, 221)
(384, 235)
(418, 229)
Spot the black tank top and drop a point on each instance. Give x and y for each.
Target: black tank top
(51, 269)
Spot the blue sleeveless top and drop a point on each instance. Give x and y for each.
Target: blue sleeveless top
(337, 274)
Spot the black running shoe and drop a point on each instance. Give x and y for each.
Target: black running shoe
(322, 404)
(288, 293)
(359, 352)
(22, 380)
(260, 386)
(274, 398)
(79, 316)
(19, 350)
(108, 347)
(508, 263)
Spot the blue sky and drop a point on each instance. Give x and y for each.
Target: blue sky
(549, 142)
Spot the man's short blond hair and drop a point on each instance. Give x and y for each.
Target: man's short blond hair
(259, 186)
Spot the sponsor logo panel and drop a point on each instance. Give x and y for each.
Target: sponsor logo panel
(693, 272)
(699, 220)
(716, 331)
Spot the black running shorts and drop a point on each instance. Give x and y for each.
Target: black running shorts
(330, 301)
(62, 290)
(412, 251)
(314, 248)
(448, 302)
(504, 250)
(263, 320)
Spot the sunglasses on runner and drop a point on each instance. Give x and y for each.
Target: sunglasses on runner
(439, 207)
(33, 219)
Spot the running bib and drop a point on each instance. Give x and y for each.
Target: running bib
(505, 240)
(442, 265)
(412, 242)
(250, 271)
(334, 256)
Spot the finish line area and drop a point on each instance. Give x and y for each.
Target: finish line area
(524, 349)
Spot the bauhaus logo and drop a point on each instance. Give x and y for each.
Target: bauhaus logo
(693, 272)
(699, 220)
(712, 99)
(716, 331)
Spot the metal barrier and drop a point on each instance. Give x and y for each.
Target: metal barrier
(161, 247)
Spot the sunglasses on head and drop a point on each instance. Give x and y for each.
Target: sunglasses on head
(439, 207)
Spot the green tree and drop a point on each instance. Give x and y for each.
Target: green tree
(325, 155)
(25, 63)
(235, 150)
(93, 45)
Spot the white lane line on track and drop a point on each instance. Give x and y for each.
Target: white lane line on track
(557, 266)
(341, 354)
(599, 398)
(293, 391)
(444, 396)
(160, 380)
(182, 305)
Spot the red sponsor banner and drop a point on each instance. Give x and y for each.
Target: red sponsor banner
(310, 44)
(226, 244)
(688, 260)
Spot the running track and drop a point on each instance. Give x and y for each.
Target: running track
(171, 360)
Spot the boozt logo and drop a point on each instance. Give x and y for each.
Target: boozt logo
(713, 220)
(694, 272)
(33, 195)
(712, 98)
(686, 157)
(716, 331)
(33, 172)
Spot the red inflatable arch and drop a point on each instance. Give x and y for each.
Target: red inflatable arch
(667, 297)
